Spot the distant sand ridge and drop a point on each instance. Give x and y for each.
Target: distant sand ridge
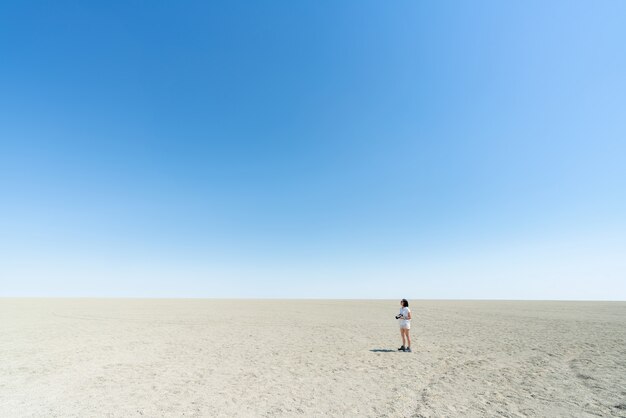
(125, 357)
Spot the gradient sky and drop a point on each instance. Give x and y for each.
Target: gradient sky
(341, 149)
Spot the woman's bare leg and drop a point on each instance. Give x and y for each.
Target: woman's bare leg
(402, 334)
(408, 337)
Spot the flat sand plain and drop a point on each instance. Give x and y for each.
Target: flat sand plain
(195, 357)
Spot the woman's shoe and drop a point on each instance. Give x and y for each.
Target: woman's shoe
(401, 348)
(408, 349)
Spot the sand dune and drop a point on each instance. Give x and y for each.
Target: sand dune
(124, 357)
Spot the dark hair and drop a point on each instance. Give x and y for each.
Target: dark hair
(405, 303)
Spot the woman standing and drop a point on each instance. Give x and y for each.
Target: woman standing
(404, 318)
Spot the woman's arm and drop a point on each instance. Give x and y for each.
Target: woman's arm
(409, 317)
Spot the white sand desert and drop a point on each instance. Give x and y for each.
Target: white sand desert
(124, 357)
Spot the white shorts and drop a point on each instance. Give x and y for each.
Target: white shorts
(405, 324)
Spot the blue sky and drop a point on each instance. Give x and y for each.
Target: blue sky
(313, 149)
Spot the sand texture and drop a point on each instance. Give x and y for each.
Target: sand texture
(126, 357)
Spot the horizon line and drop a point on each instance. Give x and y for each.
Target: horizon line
(311, 299)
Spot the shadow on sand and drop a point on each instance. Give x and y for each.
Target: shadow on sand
(382, 350)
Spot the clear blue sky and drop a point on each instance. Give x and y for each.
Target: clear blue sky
(342, 149)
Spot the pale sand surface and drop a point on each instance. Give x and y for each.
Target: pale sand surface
(116, 357)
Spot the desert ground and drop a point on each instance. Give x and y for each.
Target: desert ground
(202, 357)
